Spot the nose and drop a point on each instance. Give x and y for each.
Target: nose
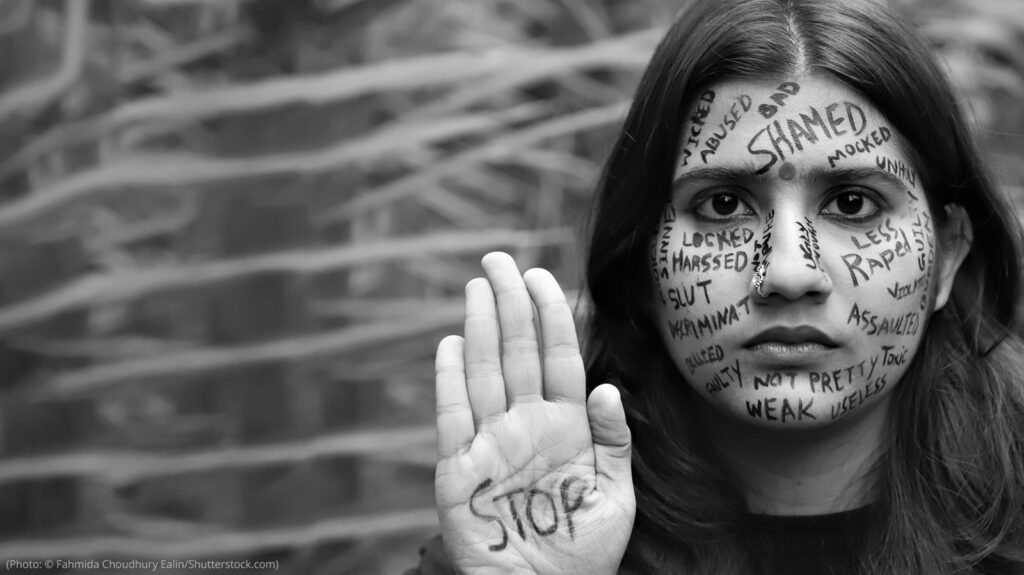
(794, 269)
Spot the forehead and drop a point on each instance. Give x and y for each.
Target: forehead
(768, 128)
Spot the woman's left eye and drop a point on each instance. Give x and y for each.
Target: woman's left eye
(852, 205)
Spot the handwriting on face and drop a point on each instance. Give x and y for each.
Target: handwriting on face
(806, 185)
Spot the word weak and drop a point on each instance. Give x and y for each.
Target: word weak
(536, 508)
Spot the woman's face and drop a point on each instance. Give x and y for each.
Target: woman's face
(806, 181)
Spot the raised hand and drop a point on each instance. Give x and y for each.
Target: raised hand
(532, 477)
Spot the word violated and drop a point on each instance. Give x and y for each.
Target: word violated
(539, 508)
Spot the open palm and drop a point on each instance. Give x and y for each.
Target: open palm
(532, 477)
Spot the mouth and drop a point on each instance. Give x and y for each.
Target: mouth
(790, 344)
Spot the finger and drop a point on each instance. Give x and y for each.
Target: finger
(564, 377)
(520, 357)
(612, 439)
(455, 427)
(484, 383)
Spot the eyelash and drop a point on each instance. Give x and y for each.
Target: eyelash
(865, 194)
(834, 195)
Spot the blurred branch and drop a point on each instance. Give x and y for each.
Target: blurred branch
(517, 66)
(16, 15)
(37, 94)
(126, 285)
(587, 17)
(631, 51)
(182, 55)
(146, 171)
(118, 468)
(175, 3)
(178, 365)
(500, 148)
(225, 544)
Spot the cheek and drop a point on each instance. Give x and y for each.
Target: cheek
(702, 284)
(887, 276)
(888, 271)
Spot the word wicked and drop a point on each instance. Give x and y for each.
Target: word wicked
(697, 123)
(538, 506)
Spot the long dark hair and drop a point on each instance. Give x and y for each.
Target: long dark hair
(952, 480)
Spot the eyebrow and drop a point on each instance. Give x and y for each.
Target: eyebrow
(817, 174)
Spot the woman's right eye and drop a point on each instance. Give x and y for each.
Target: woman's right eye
(722, 206)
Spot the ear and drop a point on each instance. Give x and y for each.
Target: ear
(955, 238)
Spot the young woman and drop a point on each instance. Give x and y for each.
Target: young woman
(802, 354)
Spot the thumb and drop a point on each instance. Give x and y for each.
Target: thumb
(612, 443)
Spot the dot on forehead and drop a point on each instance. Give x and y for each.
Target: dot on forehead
(787, 171)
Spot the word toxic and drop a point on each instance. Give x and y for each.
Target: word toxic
(537, 505)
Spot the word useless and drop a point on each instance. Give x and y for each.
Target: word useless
(857, 398)
(538, 506)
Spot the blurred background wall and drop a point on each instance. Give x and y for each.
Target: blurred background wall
(232, 232)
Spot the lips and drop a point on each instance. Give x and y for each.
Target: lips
(791, 346)
(803, 334)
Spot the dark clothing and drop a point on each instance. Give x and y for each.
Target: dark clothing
(814, 545)
(818, 544)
